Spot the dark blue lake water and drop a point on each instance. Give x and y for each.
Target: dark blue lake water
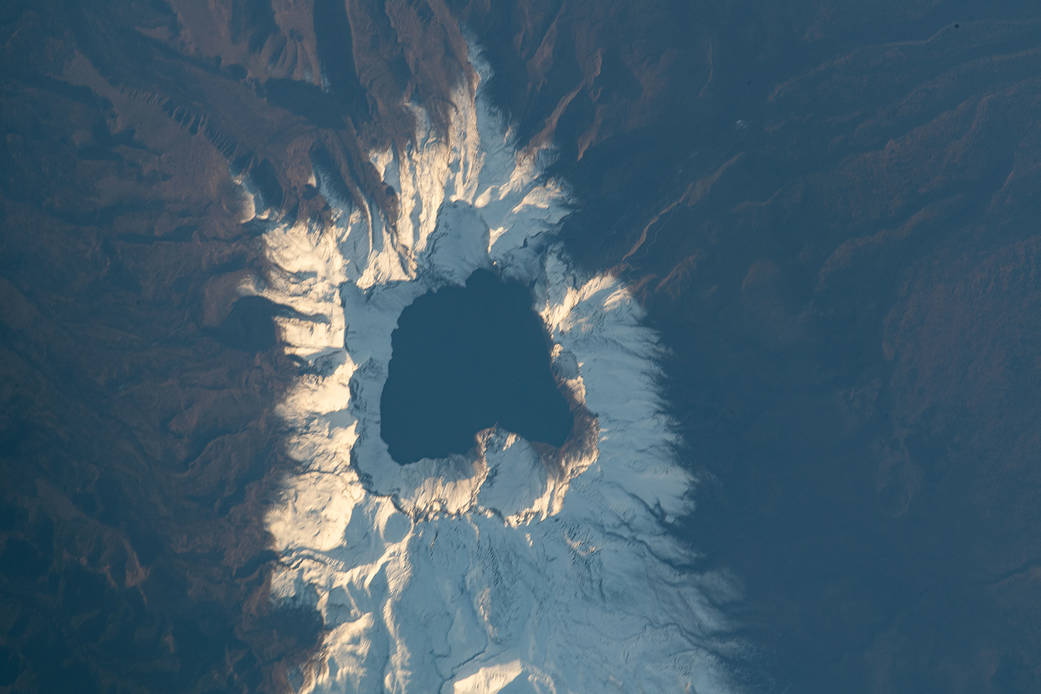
(464, 359)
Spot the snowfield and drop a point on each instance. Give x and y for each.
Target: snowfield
(511, 569)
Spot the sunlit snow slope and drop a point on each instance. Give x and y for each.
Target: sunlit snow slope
(516, 566)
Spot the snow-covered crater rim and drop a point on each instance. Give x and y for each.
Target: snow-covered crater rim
(475, 481)
(479, 593)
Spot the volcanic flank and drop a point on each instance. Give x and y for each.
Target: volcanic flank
(215, 214)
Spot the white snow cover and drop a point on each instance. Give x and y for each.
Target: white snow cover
(506, 569)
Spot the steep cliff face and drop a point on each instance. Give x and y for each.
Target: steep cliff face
(825, 212)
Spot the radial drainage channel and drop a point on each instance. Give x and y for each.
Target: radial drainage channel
(465, 359)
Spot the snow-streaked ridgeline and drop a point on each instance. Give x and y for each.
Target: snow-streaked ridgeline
(513, 566)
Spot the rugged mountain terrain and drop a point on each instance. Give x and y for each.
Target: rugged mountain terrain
(828, 210)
